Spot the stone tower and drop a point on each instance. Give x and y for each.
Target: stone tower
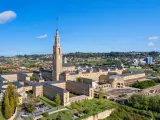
(57, 58)
(65, 60)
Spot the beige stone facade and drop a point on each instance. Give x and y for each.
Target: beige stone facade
(38, 90)
(85, 91)
(68, 68)
(120, 80)
(58, 66)
(116, 81)
(62, 88)
(67, 72)
(133, 77)
(89, 75)
(80, 88)
(50, 91)
(28, 88)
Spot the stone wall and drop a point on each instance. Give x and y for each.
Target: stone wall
(100, 116)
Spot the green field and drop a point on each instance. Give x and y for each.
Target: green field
(1, 116)
(71, 95)
(47, 102)
(63, 115)
(135, 70)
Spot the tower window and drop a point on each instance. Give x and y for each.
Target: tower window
(59, 50)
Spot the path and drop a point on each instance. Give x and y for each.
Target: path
(51, 113)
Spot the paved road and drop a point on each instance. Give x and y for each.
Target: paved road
(152, 88)
(19, 117)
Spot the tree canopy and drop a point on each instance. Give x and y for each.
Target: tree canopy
(10, 100)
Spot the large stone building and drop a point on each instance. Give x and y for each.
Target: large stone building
(58, 65)
(65, 71)
(120, 80)
(50, 89)
(96, 76)
(62, 79)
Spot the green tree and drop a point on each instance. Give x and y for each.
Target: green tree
(46, 115)
(6, 106)
(12, 105)
(31, 106)
(64, 115)
(101, 95)
(154, 103)
(57, 100)
(16, 99)
(33, 78)
(79, 79)
(139, 102)
(12, 92)
(10, 100)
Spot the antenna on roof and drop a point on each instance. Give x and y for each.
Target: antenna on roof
(57, 22)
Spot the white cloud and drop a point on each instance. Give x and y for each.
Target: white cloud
(151, 44)
(7, 16)
(42, 36)
(154, 38)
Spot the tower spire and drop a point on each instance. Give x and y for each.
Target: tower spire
(57, 38)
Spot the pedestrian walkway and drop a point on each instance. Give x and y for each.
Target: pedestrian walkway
(38, 117)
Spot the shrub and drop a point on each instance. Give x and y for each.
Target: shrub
(46, 114)
(144, 84)
(146, 103)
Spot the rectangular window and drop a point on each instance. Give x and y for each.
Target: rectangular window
(59, 50)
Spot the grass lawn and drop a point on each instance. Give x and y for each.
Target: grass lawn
(92, 107)
(1, 116)
(47, 102)
(63, 115)
(72, 95)
(135, 69)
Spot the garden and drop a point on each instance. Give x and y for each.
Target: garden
(91, 107)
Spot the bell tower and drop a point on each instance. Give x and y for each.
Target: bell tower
(57, 58)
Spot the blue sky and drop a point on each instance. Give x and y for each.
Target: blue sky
(28, 27)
